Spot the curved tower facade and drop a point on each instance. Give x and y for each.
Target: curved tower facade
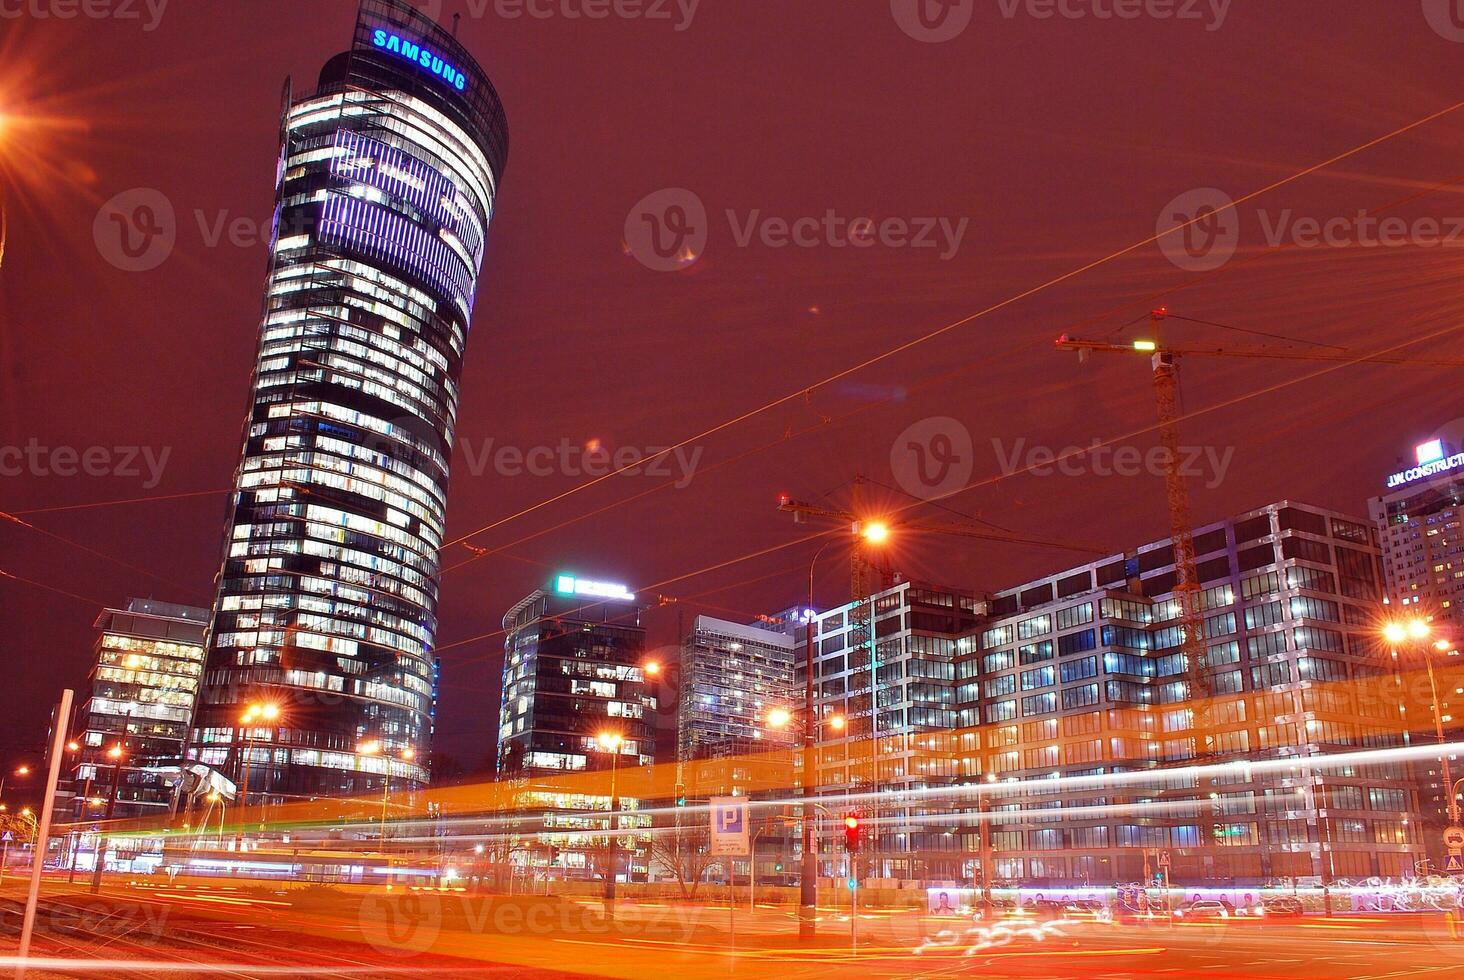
(325, 617)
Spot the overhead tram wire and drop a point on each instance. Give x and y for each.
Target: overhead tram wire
(956, 324)
(120, 503)
(11, 518)
(51, 588)
(940, 506)
(1149, 300)
(1190, 283)
(1257, 333)
(695, 597)
(1081, 451)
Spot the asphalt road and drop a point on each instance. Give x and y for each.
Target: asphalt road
(146, 930)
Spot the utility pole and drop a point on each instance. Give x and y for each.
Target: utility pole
(43, 829)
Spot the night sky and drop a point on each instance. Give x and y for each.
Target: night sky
(1056, 141)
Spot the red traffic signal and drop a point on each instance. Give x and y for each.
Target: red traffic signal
(851, 832)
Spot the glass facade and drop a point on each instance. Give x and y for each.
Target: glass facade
(327, 599)
(732, 676)
(149, 661)
(573, 671)
(1081, 678)
(887, 665)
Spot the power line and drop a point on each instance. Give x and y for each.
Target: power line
(947, 328)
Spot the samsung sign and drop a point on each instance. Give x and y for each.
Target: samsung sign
(1431, 462)
(412, 51)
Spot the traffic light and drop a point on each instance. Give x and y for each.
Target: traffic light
(778, 866)
(851, 832)
(680, 794)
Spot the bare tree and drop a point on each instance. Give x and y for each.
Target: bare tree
(687, 853)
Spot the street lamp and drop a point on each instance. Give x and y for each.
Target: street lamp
(253, 714)
(19, 771)
(1417, 630)
(611, 742)
(377, 747)
(116, 753)
(875, 532)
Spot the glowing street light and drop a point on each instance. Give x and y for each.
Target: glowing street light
(254, 714)
(377, 747)
(1418, 631)
(261, 712)
(837, 723)
(652, 668)
(611, 742)
(876, 532)
(779, 718)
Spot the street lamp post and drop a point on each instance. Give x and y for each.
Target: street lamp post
(376, 747)
(610, 742)
(1418, 631)
(115, 753)
(254, 713)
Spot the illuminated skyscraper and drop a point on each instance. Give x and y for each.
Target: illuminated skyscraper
(327, 599)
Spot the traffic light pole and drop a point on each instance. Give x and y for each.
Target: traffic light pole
(808, 877)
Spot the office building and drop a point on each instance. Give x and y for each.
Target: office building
(1077, 678)
(1417, 518)
(1418, 525)
(886, 713)
(141, 696)
(327, 599)
(576, 704)
(736, 699)
(737, 720)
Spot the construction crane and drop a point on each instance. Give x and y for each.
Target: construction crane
(1164, 362)
(867, 530)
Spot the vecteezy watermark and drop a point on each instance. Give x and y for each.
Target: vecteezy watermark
(1200, 230)
(933, 458)
(149, 12)
(678, 13)
(409, 924)
(124, 462)
(668, 231)
(935, 21)
(1104, 459)
(1446, 17)
(138, 229)
(593, 459)
(1212, 13)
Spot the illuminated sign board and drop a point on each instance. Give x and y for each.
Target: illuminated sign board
(1431, 462)
(572, 585)
(422, 55)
